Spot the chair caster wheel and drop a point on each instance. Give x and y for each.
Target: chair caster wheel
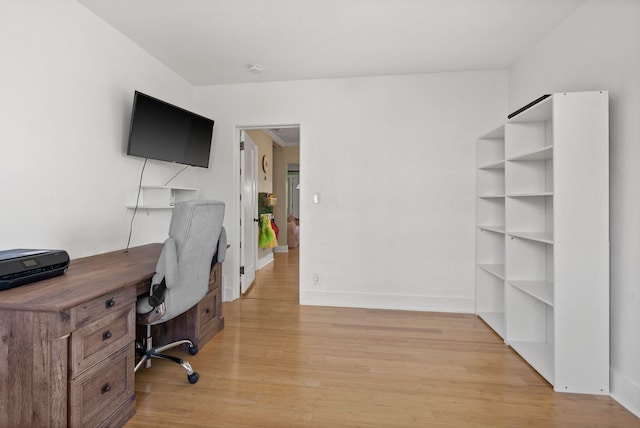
(193, 378)
(193, 350)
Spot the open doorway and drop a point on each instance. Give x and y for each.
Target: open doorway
(271, 201)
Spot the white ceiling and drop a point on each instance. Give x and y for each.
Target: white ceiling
(215, 41)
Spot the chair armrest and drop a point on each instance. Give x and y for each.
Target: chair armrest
(158, 292)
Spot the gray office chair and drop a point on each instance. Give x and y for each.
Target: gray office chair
(196, 241)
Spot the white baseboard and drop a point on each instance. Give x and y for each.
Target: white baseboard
(281, 249)
(385, 301)
(625, 391)
(264, 261)
(229, 292)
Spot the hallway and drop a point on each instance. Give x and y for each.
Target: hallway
(277, 280)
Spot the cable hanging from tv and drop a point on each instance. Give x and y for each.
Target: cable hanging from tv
(177, 174)
(137, 203)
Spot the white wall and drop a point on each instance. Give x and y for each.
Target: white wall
(66, 83)
(598, 47)
(394, 161)
(395, 224)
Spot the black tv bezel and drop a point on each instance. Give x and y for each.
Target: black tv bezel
(136, 96)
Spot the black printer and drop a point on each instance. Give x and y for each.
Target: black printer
(23, 266)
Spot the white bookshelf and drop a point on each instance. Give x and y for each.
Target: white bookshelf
(540, 290)
(490, 244)
(496, 270)
(542, 276)
(161, 197)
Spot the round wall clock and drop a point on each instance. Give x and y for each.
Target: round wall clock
(265, 163)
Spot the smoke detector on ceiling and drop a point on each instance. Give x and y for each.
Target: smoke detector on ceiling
(256, 68)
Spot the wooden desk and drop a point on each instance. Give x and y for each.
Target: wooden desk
(67, 343)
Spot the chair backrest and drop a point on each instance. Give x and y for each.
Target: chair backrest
(185, 261)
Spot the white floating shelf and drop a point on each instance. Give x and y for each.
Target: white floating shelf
(152, 197)
(151, 207)
(145, 186)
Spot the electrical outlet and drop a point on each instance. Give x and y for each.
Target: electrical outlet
(316, 279)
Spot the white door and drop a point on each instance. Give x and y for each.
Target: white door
(249, 211)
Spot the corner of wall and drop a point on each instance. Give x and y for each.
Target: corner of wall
(625, 391)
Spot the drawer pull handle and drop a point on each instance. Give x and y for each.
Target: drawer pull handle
(106, 335)
(106, 388)
(109, 303)
(207, 310)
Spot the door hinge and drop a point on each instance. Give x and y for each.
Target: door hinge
(241, 270)
(241, 145)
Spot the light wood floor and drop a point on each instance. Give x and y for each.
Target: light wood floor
(278, 364)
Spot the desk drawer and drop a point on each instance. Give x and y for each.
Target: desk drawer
(102, 306)
(96, 341)
(208, 308)
(95, 394)
(209, 315)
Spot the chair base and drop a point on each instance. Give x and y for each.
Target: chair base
(156, 352)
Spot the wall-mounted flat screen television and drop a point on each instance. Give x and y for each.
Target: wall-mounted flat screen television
(162, 131)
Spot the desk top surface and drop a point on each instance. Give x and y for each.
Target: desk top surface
(86, 279)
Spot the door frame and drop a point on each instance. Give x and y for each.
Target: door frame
(235, 290)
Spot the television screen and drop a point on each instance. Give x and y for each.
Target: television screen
(162, 131)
